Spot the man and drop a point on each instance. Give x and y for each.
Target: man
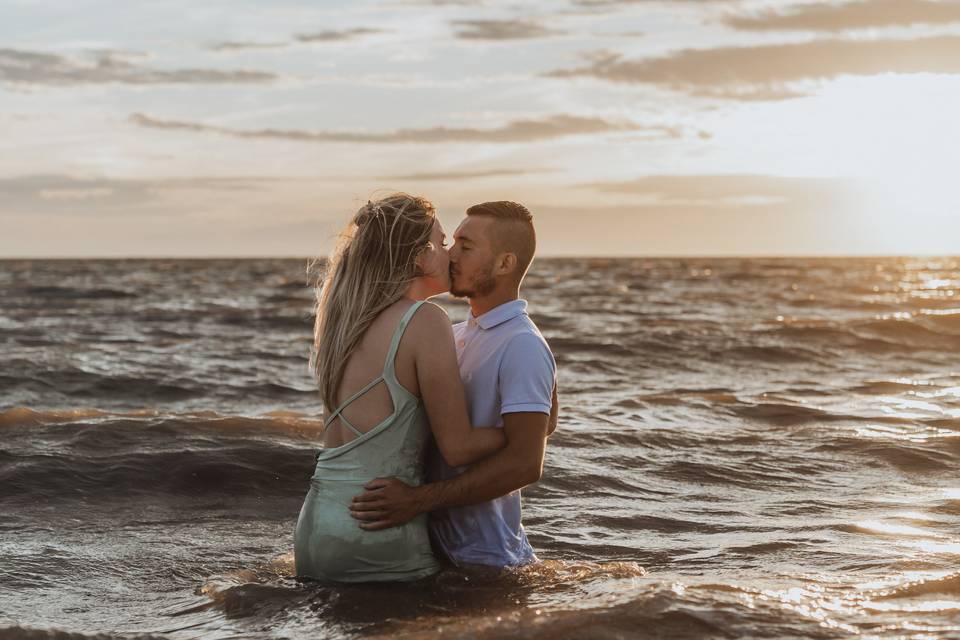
(509, 376)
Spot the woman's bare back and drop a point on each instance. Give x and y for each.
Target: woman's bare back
(366, 364)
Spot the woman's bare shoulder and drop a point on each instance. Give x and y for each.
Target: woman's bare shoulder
(429, 319)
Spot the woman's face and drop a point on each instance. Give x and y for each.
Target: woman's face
(434, 262)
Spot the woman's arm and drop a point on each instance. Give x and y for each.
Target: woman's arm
(438, 376)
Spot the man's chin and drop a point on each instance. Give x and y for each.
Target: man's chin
(458, 292)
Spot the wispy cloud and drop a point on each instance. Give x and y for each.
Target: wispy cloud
(725, 190)
(332, 35)
(327, 35)
(246, 46)
(63, 193)
(766, 72)
(830, 16)
(464, 175)
(524, 130)
(105, 67)
(500, 30)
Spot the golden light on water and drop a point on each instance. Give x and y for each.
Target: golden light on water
(906, 432)
(926, 606)
(929, 546)
(888, 586)
(914, 515)
(891, 529)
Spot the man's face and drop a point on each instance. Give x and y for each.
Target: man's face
(471, 258)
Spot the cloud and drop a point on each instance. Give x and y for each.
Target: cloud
(336, 36)
(329, 35)
(245, 46)
(464, 175)
(766, 72)
(730, 190)
(105, 67)
(525, 130)
(829, 16)
(500, 30)
(57, 193)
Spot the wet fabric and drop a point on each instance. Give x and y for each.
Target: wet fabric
(506, 367)
(328, 542)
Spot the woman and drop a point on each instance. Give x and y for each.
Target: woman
(387, 369)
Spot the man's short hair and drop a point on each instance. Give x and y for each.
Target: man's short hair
(512, 231)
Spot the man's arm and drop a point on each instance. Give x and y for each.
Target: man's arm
(388, 502)
(554, 413)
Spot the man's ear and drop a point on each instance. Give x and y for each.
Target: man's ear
(506, 263)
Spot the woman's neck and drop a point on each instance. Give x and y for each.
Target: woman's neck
(417, 290)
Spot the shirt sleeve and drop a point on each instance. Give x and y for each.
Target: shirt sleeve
(527, 376)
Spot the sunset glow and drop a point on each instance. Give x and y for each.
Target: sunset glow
(630, 128)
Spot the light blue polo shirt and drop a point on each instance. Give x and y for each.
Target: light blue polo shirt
(506, 367)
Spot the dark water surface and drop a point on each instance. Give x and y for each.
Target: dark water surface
(747, 448)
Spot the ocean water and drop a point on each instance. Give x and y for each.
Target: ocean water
(747, 448)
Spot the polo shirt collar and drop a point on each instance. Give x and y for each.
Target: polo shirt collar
(499, 315)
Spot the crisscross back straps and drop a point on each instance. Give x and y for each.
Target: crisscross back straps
(339, 412)
(388, 375)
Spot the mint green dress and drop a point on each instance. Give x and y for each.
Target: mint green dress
(328, 543)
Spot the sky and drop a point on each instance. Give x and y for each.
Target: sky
(628, 127)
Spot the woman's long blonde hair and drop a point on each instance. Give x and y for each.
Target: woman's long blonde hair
(373, 264)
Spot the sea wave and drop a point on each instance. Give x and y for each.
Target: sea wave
(17, 632)
(99, 455)
(49, 293)
(763, 436)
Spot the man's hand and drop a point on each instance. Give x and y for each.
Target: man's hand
(387, 502)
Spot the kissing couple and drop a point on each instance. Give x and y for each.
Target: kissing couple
(431, 430)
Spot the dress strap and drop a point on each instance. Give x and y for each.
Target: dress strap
(344, 420)
(388, 375)
(345, 403)
(388, 367)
